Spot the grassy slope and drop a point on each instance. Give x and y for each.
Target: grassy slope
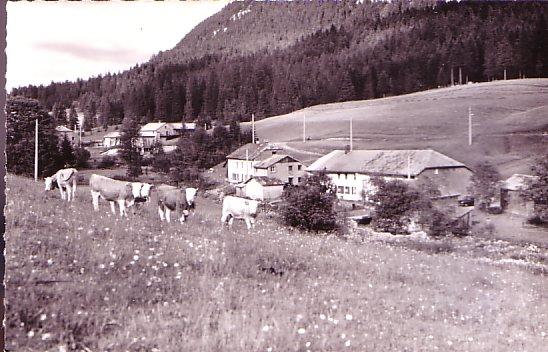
(138, 285)
(437, 119)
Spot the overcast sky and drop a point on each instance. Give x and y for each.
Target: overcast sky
(58, 41)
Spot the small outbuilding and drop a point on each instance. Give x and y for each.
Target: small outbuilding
(261, 188)
(512, 195)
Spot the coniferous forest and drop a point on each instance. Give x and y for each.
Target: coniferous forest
(270, 58)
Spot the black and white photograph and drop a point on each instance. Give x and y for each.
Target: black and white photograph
(310, 175)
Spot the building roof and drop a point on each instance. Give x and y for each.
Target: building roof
(276, 158)
(113, 134)
(255, 151)
(266, 181)
(62, 129)
(518, 182)
(383, 162)
(152, 126)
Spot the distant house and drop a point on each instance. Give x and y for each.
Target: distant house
(261, 188)
(269, 160)
(65, 132)
(111, 139)
(180, 127)
(512, 191)
(352, 171)
(154, 132)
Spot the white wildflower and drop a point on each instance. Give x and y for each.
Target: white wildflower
(30, 333)
(46, 336)
(322, 316)
(347, 343)
(301, 331)
(43, 317)
(348, 317)
(266, 328)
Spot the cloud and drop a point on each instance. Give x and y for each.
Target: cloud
(89, 52)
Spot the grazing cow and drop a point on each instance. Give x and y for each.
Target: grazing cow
(239, 208)
(171, 198)
(64, 179)
(141, 192)
(111, 190)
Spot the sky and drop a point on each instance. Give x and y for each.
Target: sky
(58, 41)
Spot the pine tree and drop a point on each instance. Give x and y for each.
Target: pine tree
(73, 118)
(67, 152)
(129, 150)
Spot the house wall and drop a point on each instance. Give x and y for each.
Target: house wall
(166, 130)
(283, 173)
(239, 170)
(110, 142)
(351, 186)
(513, 203)
(255, 190)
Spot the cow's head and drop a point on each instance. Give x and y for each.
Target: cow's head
(49, 183)
(191, 196)
(141, 190)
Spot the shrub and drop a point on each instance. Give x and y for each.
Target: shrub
(310, 206)
(81, 156)
(107, 162)
(485, 184)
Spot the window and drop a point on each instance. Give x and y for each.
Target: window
(355, 176)
(436, 172)
(347, 190)
(299, 167)
(290, 167)
(235, 176)
(299, 179)
(273, 168)
(290, 180)
(353, 190)
(346, 176)
(340, 189)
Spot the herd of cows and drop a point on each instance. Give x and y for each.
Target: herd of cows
(169, 198)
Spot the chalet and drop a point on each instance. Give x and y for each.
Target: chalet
(352, 171)
(268, 160)
(65, 132)
(512, 195)
(261, 188)
(181, 127)
(111, 139)
(155, 132)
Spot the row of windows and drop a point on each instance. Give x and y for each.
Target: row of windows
(289, 168)
(346, 190)
(345, 176)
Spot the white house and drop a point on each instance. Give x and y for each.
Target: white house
(154, 132)
(269, 160)
(180, 127)
(111, 139)
(351, 171)
(261, 188)
(65, 132)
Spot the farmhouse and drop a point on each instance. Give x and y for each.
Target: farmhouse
(111, 139)
(351, 171)
(512, 192)
(65, 132)
(269, 160)
(180, 127)
(261, 188)
(154, 132)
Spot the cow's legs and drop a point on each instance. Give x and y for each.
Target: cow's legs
(69, 193)
(224, 218)
(112, 207)
(168, 214)
(73, 189)
(161, 212)
(95, 200)
(61, 191)
(122, 206)
(248, 223)
(230, 221)
(184, 214)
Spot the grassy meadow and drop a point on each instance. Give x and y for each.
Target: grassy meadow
(88, 281)
(510, 121)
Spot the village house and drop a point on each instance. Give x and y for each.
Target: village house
(512, 195)
(352, 171)
(65, 132)
(111, 139)
(181, 127)
(268, 160)
(155, 132)
(261, 188)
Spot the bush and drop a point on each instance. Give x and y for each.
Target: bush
(82, 156)
(310, 206)
(107, 162)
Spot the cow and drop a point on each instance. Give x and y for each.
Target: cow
(141, 192)
(171, 198)
(239, 208)
(64, 179)
(111, 190)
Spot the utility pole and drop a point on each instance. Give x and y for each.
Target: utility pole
(460, 75)
(36, 152)
(409, 166)
(253, 128)
(304, 127)
(452, 80)
(505, 74)
(470, 125)
(351, 143)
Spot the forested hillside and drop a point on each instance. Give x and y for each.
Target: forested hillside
(276, 57)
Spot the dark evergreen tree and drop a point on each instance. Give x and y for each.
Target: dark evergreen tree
(129, 151)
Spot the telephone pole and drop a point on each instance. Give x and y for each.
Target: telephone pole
(304, 127)
(253, 128)
(470, 125)
(36, 151)
(351, 143)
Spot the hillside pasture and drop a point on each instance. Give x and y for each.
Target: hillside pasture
(510, 123)
(83, 280)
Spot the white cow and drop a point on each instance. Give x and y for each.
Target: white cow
(171, 198)
(64, 179)
(141, 192)
(239, 208)
(111, 190)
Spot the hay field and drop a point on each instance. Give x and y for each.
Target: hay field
(510, 123)
(88, 281)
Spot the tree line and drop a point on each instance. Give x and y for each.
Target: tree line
(368, 53)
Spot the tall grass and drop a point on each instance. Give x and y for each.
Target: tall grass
(83, 280)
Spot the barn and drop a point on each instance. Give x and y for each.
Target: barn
(261, 188)
(511, 195)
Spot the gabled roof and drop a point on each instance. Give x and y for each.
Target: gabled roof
(152, 126)
(518, 182)
(276, 158)
(114, 134)
(62, 129)
(251, 151)
(266, 181)
(383, 162)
